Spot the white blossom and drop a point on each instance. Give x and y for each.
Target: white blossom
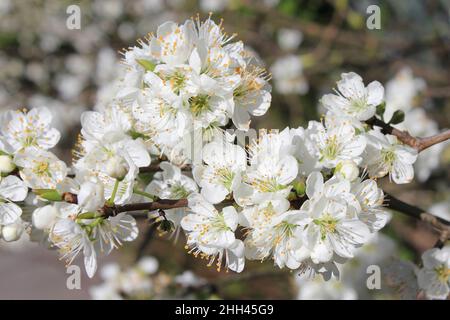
(385, 155)
(40, 169)
(332, 229)
(272, 169)
(274, 231)
(434, 277)
(353, 98)
(211, 234)
(12, 189)
(288, 75)
(289, 39)
(171, 183)
(221, 174)
(21, 130)
(334, 144)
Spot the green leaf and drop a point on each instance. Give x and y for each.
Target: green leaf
(398, 117)
(48, 194)
(148, 65)
(380, 109)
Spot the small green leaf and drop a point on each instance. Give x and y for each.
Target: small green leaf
(148, 65)
(48, 194)
(381, 108)
(398, 117)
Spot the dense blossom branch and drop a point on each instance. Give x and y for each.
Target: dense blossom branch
(300, 183)
(391, 202)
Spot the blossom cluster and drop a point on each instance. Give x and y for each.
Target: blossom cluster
(191, 77)
(307, 198)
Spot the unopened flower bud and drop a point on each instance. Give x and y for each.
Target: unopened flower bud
(43, 218)
(6, 164)
(12, 232)
(116, 167)
(348, 170)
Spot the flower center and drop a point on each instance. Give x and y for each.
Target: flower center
(29, 139)
(443, 273)
(226, 177)
(42, 169)
(250, 82)
(199, 104)
(388, 156)
(284, 231)
(331, 149)
(327, 224)
(177, 81)
(179, 192)
(359, 104)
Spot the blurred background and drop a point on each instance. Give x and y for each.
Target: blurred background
(306, 45)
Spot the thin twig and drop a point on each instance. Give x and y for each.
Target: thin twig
(108, 210)
(440, 225)
(417, 143)
(161, 204)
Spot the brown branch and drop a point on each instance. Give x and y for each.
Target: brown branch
(161, 204)
(108, 210)
(440, 225)
(417, 143)
(431, 141)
